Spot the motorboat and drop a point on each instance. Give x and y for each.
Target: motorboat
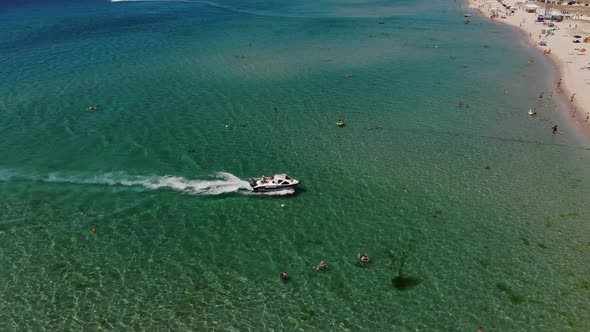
(272, 183)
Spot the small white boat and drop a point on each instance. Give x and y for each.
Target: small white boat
(532, 112)
(272, 183)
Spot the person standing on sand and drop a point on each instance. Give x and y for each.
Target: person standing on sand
(572, 98)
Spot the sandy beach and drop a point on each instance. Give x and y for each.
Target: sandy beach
(571, 58)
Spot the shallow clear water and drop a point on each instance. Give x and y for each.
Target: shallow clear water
(472, 212)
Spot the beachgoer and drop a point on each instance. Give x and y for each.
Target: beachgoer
(554, 129)
(285, 276)
(322, 266)
(572, 98)
(363, 258)
(541, 95)
(480, 329)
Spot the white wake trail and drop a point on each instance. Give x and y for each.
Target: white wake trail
(222, 183)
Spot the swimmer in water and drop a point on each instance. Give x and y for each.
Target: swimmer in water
(322, 266)
(285, 276)
(364, 258)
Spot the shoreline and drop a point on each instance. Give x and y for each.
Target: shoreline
(563, 54)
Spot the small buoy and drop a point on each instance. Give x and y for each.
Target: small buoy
(93, 230)
(226, 126)
(282, 205)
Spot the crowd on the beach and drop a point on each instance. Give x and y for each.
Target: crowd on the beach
(533, 111)
(548, 25)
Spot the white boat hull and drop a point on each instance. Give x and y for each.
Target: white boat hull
(273, 183)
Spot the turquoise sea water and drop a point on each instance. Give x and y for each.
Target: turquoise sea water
(473, 214)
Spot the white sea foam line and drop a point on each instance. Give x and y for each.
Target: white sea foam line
(208, 3)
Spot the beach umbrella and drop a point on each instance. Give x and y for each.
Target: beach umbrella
(577, 36)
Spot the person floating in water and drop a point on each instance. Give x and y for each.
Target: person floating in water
(93, 108)
(322, 266)
(480, 329)
(554, 129)
(363, 258)
(541, 95)
(285, 276)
